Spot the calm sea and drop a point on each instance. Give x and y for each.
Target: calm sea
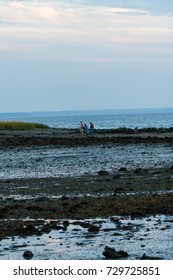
(102, 119)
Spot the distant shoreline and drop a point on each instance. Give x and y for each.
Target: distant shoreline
(89, 111)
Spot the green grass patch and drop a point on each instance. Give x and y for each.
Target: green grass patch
(10, 125)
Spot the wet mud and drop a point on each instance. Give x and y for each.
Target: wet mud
(44, 189)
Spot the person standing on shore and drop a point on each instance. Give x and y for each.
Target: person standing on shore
(82, 130)
(86, 129)
(91, 131)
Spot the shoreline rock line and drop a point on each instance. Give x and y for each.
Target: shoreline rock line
(73, 137)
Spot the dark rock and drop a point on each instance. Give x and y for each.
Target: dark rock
(116, 234)
(76, 229)
(7, 181)
(111, 253)
(89, 235)
(138, 170)
(145, 257)
(30, 227)
(108, 180)
(116, 176)
(46, 228)
(41, 198)
(103, 173)
(123, 169)
(118, 190)
(163, 228)
(53, 224)
(115, 219)
(79, 243)
(1, 215)
(66, 223)
(28, 230)
(19, 246)
(28, 255)
(59, 227)
(108, 229)
(64, 197)
(93, 229)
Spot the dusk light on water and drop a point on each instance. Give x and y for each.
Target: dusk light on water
(86, 135)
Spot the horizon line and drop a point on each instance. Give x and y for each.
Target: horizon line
(86, 110)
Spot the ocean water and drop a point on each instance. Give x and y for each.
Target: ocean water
(102, 119)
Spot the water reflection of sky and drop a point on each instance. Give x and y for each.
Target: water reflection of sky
(148, 235)
(45, 162)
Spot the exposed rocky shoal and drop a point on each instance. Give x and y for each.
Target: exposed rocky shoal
(27, 203)
(135, 193)
(73, 137)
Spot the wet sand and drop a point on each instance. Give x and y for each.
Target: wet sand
(25, 203)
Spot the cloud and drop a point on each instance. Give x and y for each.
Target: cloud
(92, 32)
(16, 5)
(44, 13)
(125, 11)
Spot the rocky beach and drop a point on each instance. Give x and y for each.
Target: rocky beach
(59, 180)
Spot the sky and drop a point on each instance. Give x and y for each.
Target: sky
(60, 55)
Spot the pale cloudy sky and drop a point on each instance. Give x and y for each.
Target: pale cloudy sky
(85, 54)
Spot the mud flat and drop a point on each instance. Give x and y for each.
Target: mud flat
(83, 207)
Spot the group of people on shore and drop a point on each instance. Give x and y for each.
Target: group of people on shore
(85, 129)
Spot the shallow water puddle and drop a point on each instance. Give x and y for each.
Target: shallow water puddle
(152, 235)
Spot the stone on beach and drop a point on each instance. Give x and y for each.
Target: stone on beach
(111, 253)
(123, 169)
(28, 255)
(103, 173)
(93, 229)
(28, 230)
(145, 257)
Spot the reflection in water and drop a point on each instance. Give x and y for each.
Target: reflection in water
(150, 235)
(55, 162)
